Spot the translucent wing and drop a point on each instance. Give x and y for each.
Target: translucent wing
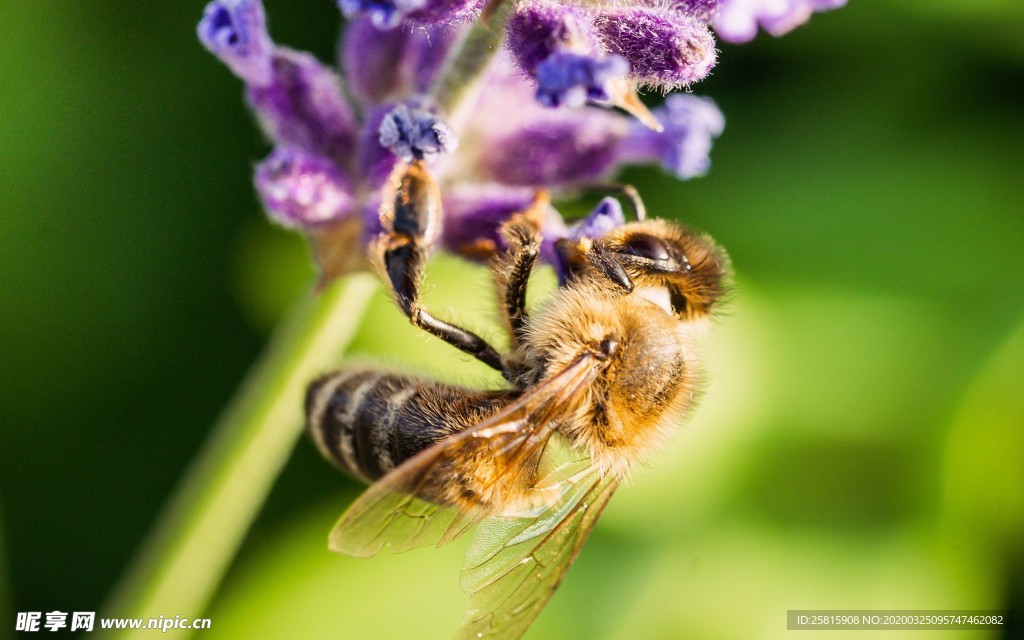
(515, 564)
(390, 520)
(428, 499)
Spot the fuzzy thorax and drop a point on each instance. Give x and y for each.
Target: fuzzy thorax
(646, 384)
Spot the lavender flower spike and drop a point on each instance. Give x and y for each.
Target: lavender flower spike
(415, 133)
(691, 123)
(236, 32)
(302, 190)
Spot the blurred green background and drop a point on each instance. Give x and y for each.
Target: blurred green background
(861, 444)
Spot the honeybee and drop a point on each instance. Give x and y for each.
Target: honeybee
(598, 377)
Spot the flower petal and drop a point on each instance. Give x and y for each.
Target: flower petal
(303, 107)
(683, 147)
(302, 190)
(236, 32)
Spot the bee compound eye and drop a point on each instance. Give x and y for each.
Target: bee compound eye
(647, 246)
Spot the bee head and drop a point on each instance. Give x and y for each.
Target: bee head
(689, 265)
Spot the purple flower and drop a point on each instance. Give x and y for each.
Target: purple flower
(374, 161)
(332, 160)
(476, 213)
(703, 10)
(514, 142)
(539, 28)
(556, 150)
(297, 100)
(738, 20)
(577, 52)
(385, 14)
(606, 216)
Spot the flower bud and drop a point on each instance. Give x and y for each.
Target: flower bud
(302, 190)
(412, 132)
(539, 28)
(573, 80)
(556, 44)
(236, 32)
(665, 48)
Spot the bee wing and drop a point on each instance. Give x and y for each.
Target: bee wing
(390, 515)
(514, 565)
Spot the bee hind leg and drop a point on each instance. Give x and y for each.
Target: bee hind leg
(410, 225)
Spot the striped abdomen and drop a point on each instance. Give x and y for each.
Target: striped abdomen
(369, 422)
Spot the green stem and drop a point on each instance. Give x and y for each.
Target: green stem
(200, 531)
(467, 62)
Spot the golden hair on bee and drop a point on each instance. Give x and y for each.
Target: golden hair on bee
(644, 387)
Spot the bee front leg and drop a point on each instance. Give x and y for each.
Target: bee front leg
(513, 267)
(411, 224)
(521, 260)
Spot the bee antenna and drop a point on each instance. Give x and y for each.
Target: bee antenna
(630, 193)
(627, 192)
